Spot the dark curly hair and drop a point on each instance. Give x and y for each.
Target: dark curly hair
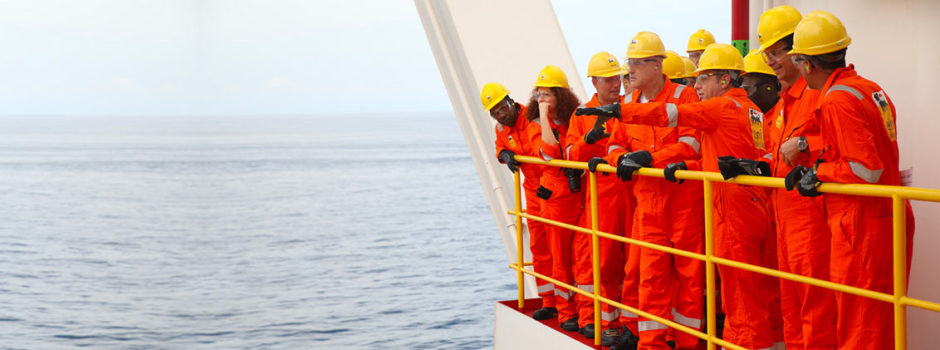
(567, 103)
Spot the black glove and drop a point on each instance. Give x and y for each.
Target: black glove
(670, 171)
(807, 185)
(574, 179)
(506, 157)
(593, 162)
(595, 135)
(543, 193)
(731, 167)
(794, 177)
(604, 112)
(630, 162)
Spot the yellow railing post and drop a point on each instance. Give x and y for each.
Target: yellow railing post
(710, 303)
(595, 258)
(900, 272)
(519, 256)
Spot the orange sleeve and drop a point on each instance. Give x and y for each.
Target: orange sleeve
(500, 143)
(552, 152)
(855, 141)
(534, 137)
(575, 147)
(686, 149)
(699, 115)
(618, 143)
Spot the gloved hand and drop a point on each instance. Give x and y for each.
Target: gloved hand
(595, 135)
(593, 162)
(506, 157)
(731, 167)
(670, 171)
(603, 113)
(794, 177)
(543, 192)
(630, 162)
(574, 179)
(808, 183)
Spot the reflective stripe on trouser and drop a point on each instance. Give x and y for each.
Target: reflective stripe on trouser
(861, 257)
(743, 232)
(566, 208)
(677, 221)
(540, 247)
(611, 216)
(803, 239)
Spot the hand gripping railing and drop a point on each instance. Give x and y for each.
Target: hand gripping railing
(897, 193)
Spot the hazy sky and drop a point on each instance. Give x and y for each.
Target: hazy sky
(262, 57)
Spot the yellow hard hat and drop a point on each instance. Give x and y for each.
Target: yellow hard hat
(700, 40)
(551, 76)
(603, 64)
(720, 56)
(491, 95)
(819, 32)
(754, 63)
(645, 44)
(689, 67)
(673, 67)
(775, 24)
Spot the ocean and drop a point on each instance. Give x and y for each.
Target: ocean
(292, 232)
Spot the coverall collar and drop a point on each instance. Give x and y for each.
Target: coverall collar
(795, 91)
(660, 96)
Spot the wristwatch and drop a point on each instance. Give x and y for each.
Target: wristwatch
(802, 145)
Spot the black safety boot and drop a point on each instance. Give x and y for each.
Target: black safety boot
(545, 313)
(610, 336)
(571, 325)
(587, 330)
(626, 341)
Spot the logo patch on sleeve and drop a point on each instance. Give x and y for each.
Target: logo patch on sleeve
(886, 115)
(757, 127)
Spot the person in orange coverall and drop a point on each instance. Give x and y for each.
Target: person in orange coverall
(583, 143)
(553, 104)
(733, 137)
(857, 121)
(809, 313)
(516, 135)
(666, 214)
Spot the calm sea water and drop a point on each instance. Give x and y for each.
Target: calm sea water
(328, 232)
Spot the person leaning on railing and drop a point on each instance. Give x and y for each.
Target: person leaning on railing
(517, 135)
(665, 214)
(803, 238)
(859, 140)
(552, 103)
(733, 130)
(587, 139)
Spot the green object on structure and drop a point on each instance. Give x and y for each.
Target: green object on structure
(742, 46)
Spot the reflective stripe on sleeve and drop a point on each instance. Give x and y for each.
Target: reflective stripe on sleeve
(613, 147)
(568, 152)
(673, 112)
(544, 156)
(735, 102)
(691, 141)
(499, 126)
(871, 176)
(769, 156)
(852, 91)
(643, 326)
(678, 91)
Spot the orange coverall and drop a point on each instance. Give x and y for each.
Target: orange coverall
(743, 229)
(859, 135)
(668, 215)
(809, 313)
(523, 139)
(567, 207)
(613, 215)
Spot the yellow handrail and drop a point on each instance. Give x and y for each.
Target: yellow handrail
(897, 193)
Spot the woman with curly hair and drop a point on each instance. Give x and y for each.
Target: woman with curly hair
(551, 106)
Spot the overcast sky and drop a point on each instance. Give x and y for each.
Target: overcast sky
(264, 57)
